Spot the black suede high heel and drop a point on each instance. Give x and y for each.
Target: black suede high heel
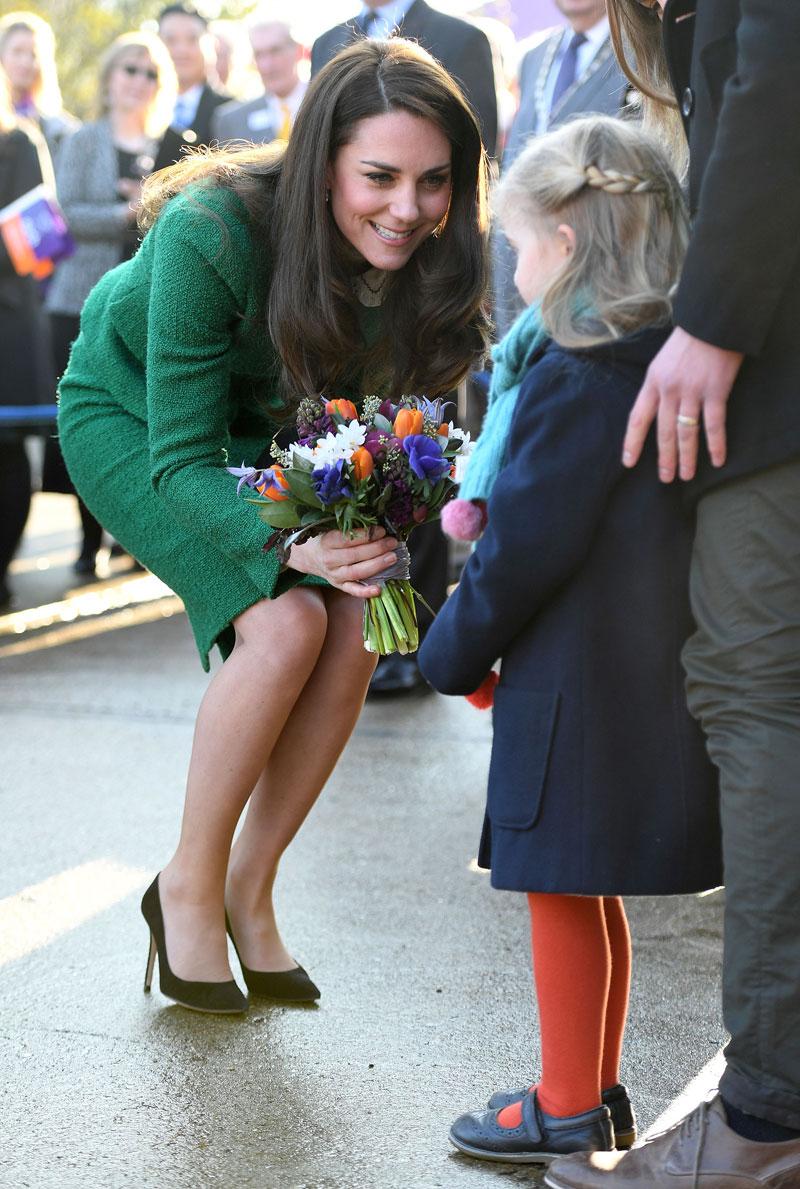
(291, 986)
(220, 998)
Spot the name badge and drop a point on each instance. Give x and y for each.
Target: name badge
(259, 120)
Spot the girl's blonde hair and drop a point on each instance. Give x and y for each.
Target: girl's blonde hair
(613, 185)
(159, 112)
(635, 31)
(46, 93)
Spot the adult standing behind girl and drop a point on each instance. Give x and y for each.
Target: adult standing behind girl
(599, 784)
(25, 378)
(99, 173)
(352, 261)
(28, 56)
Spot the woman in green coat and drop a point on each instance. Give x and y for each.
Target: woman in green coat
(352, 262)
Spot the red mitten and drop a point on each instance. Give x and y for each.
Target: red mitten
(483, 697)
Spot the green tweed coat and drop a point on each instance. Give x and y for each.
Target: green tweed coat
(169, 382)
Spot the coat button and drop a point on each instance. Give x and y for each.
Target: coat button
(687, 102)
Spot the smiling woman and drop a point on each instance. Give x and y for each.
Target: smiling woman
(351, 261)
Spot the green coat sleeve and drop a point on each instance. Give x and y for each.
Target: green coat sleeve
(201, 270)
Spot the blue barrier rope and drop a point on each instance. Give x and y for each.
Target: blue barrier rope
(22, 416)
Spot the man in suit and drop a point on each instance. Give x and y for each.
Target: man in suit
(184, 32)
(462, 49)
(730, 372)
(277, 55)
(567, 72)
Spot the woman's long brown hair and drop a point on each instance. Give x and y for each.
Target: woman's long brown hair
(434, 317)
(635, 32)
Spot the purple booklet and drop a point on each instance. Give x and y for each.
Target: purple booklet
(35, 232)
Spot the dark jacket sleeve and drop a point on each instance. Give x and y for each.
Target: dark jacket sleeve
(22, 171)
(563, 462)
(746, 238)
(474, 69)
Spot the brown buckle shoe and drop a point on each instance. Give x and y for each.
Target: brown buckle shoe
(701, 1152)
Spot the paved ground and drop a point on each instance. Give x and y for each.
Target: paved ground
(426, 1004)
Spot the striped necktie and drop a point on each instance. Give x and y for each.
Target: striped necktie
(569, 67)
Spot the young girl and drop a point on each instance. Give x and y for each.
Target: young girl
(599, 784)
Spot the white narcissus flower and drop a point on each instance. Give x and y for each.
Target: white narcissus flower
(334, 447)
(461, 435)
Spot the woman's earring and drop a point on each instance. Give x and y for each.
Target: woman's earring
(327, 195)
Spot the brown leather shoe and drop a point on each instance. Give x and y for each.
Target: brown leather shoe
(701, 1152)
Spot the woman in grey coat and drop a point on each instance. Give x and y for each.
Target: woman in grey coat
(99, 173)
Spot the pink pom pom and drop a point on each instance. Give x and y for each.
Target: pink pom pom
(483, 698)
(464, 520)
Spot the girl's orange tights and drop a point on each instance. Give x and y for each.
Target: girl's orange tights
(582, 967)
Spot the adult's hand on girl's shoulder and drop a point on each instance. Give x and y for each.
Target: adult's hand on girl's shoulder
(346, 562)
(686, 389)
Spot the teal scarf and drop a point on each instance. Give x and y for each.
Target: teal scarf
(512, 359)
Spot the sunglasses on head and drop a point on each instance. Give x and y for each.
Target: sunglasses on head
(145, 71)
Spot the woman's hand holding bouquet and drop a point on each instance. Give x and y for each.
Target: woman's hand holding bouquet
(348, 563)
(348, 481)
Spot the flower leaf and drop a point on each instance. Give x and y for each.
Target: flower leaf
(301, 486)
(278, 513)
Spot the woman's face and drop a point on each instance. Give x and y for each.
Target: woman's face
(21, 61)
(132, 83)
(390, 186)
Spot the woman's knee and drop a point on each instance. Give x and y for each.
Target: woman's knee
(290, 628)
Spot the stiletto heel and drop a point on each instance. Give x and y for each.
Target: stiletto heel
(220, 998)
(151, 961)
(292, 986)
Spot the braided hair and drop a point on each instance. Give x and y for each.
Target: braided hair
(614, 186)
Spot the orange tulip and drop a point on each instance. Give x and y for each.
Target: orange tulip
(345, 408)
(278, 489)
(363, 463)
(444, 430)
(408, 421)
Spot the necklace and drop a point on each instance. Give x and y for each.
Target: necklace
(370, 286)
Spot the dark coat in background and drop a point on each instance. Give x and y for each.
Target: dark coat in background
(463, 49)
(601, 88)
(25, 374)
(174, 143)
(599, 781)
(735, 73)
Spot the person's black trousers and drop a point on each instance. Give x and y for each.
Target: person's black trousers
(743, 683)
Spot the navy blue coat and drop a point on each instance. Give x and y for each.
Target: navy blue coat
(599, 781)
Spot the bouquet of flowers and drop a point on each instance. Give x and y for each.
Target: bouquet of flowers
(391, 465)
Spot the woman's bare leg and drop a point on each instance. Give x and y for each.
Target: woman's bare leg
(241, 717)
(315, 734)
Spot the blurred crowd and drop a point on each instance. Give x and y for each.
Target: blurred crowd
(188, 83)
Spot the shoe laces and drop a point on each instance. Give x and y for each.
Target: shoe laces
(696, 1119)
(700, 1116)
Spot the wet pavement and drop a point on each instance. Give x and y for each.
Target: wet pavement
(426, 1001)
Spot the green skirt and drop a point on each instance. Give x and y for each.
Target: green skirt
(105, 447)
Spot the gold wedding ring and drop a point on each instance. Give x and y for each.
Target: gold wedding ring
(684, 420)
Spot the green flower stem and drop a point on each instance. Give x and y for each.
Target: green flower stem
(387, 599)
(408, 610)
(390, 644)
(380, 642)
(372, 641)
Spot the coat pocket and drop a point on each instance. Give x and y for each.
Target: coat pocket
(524, 728)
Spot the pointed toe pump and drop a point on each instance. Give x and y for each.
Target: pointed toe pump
(291, 986)
(218, 998)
